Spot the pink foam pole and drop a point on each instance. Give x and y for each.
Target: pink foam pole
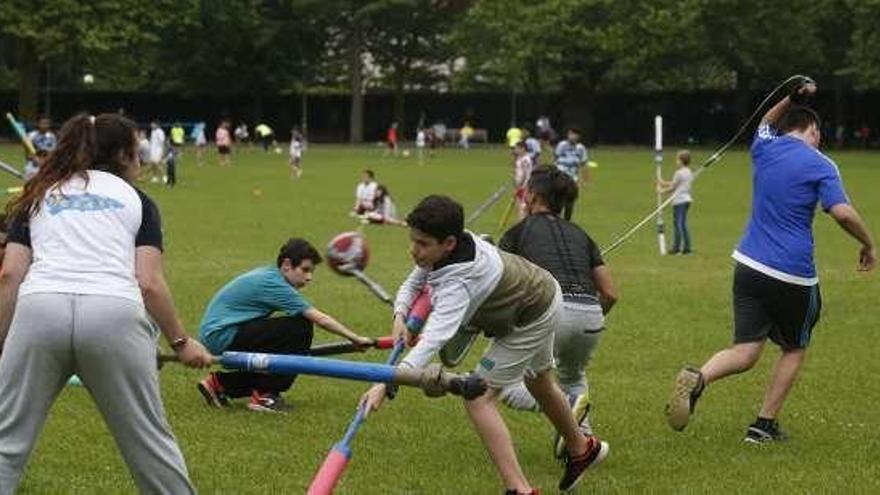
(329, 474)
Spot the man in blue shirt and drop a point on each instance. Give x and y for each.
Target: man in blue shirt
(239, 318)
(775, 288)
(44, 142)
(571, 156)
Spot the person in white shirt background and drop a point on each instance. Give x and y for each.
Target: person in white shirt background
(680, 186)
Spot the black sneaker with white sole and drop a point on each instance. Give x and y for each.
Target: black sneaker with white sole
(764, 431)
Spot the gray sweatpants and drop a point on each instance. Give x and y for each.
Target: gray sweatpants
(574, 343)
(110, 344)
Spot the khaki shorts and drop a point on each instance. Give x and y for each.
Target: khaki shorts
(526, 351)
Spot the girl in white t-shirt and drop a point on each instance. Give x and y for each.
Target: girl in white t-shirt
(680, 186)
(80, 280)
(385, 211)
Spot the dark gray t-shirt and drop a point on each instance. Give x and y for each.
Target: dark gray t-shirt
(558, 246)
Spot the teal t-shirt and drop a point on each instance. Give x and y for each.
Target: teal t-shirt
(250, 296)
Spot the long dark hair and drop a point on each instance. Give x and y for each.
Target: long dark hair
(106, 142)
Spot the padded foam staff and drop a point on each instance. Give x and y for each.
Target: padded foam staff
(18, 127)
(490, 202)
(337, 459)
(433, 380)
(329, 349)
(11, 170)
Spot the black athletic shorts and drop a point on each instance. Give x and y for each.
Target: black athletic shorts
(223, 150)
(767, 307)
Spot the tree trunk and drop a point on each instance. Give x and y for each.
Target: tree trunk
(28, 80)
(743, 99)
(578, 107)
(400, 106)
(356, 118)
(839, 102)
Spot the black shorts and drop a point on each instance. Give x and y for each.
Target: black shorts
(223, 150)
(767, 307)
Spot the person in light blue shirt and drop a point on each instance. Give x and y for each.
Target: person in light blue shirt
(775, 288)
(571, 156)
(44, 142)
(263, 311)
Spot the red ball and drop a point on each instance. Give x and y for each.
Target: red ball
(347, 251)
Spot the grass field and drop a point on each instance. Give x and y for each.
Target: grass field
(672, 310)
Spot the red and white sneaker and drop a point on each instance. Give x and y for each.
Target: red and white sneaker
(576, 467)
(267, 402)
(212, 391)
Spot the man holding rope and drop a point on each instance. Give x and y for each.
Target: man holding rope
(775, 288)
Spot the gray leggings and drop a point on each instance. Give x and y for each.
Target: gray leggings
(110, 344)
(575, 341)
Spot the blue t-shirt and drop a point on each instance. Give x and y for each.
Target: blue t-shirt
(250, 296)
(789, 178)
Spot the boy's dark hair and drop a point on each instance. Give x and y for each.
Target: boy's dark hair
(3, 222)
(369, 173)
(438, 216)
(575, 130)
(798, 118)
(553, 187)
(297, 250)
(520, 144)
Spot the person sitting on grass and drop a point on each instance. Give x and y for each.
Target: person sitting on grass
(365, 193)
(385, 211)
(517, 304)
(240, 318)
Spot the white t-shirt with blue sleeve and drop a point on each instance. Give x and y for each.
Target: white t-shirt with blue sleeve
(789, 178)
(250, 296)
(570, 157)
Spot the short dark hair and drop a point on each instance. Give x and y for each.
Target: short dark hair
(574, 130)
(369, 173)
(297, 250)
(553, 187)
(438, 216)
(798, 118)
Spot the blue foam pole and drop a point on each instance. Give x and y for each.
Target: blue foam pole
(279, 364)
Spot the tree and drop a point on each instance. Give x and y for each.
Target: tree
(241, 47)
(65, 28)
(863, 57)
(408, 41)
(576, 46)
(760, 42)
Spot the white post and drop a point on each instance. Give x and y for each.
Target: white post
(658, 160)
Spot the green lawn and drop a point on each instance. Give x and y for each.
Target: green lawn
(672, 310)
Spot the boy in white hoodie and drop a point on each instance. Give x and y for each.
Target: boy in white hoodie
(514, 302)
